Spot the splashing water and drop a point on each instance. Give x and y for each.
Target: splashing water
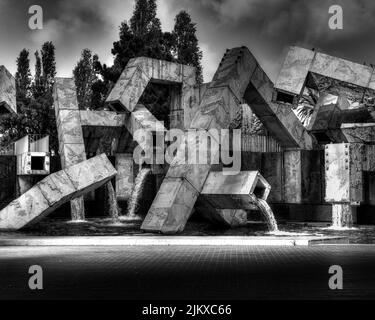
(342, 217)
(267, 214)
(135, 197)
(77, 210)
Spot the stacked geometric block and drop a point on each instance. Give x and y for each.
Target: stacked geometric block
(71, 144)
(55, 190)
(238, 77)
(344, 162)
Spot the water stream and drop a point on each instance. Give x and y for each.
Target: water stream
(268, 215)
(135, 197)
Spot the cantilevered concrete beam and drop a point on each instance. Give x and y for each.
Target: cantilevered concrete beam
(55, 190)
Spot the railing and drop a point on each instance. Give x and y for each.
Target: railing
(257, 143)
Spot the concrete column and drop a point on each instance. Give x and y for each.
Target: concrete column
(71, 143)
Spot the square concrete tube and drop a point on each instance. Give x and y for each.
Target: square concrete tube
(278, 118)
(172, 207)
(225, 199)
(7, 92)
(300, 62)
(326, 120)
(139, 72)
(71, 143)
(235, 191)
(55, 190)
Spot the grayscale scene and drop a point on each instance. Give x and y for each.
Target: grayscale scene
(187, 150)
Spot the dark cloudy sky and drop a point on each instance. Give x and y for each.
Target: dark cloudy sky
(266, 27)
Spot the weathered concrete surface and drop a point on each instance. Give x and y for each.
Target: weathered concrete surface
(25, 163)
(71, 143)
(56, 189)
(343, 174)
(172, 207)
(125, 95)
(294, 70)
(7, 92)
(325, 120)
(359, 132)
(238, 76)
(218, 107)
(343, 215)
(225, 199)
(277, 117)
(326, 74)
(235, 191)
(301, 176)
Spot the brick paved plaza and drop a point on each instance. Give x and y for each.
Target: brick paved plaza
(171, 272)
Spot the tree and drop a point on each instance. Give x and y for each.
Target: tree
(186, 48)
(37, 87)
(85, 77)
(48, 65)
(35, 113)
(23, 75)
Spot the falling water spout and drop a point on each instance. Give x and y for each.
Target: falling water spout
(267, 213)
(133, 204)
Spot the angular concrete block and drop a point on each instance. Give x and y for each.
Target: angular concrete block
(359, 132)
(128, 90)
(56, 189)
(102, 118)
(235, 70)
(8, 102)
(87, 175)
(218, 107)
(142, 119)
(230, 218)
(71, 154)
(294, 71)
(235, 191)
(341, 69)
(189, 151)
(172, 207)
(64, 95)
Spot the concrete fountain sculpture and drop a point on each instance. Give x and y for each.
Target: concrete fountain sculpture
(329, 156)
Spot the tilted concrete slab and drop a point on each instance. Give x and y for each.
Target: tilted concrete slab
(326, 120)
(55, 190)
(172, 207)
(359, 132)
(8, 102)
(294, 71)
(278, 118)
(71, 143)
(235, 191)
(102, 118)
(139, 72)
(324, 73)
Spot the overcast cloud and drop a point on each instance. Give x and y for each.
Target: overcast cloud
(266, 27)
